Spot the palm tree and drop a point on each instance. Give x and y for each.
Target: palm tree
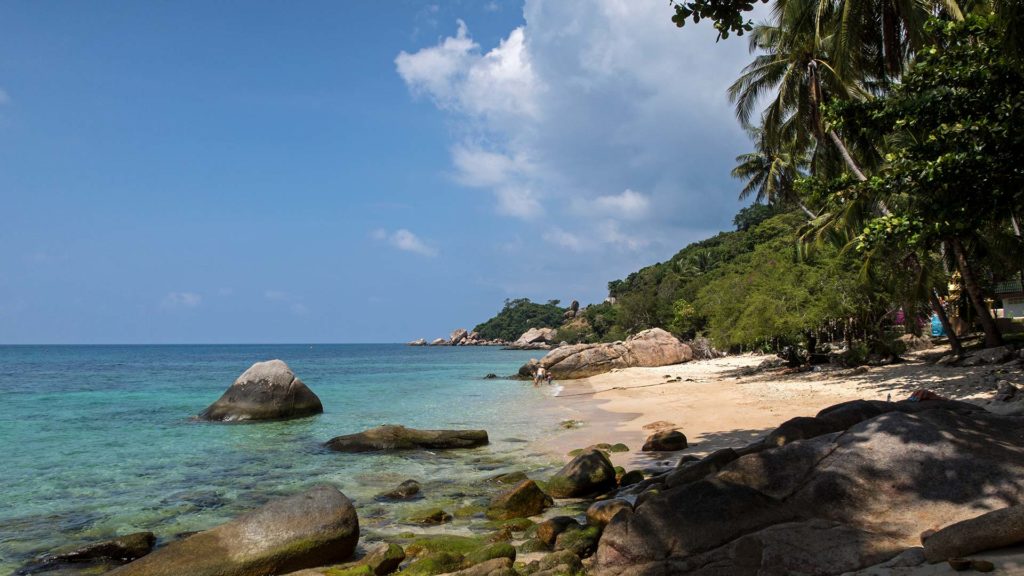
(770, 172)
(794, 72)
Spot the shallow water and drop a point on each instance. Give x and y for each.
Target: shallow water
(97, 440)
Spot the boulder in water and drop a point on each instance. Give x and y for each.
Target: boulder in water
(391, 437)
(314, 528)
(266, 391)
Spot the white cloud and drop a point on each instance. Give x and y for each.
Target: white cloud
(567, 240)
(181, 300)
(519, 202)
(630, 205)
(405, 240)
(598, 123)
(588, 102)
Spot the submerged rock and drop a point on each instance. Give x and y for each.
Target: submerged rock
(654, 347)
(115, 551)
(405, 491)
(314, 528)
(266, 391)
(391, 437)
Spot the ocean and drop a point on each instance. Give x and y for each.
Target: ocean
(97, 441)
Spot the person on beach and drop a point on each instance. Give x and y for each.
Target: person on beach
(541, 374)
(547, 377)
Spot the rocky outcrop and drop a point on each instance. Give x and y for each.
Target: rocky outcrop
(589, 473)
(315, 528)
(839, 501)
(535, 339)
(654, 347)
(460, 337)
(389, 438)
(521, 501)
(266, 391)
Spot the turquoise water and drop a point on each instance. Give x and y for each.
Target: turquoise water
(97, 441)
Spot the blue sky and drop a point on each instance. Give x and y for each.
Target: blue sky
(345, 171)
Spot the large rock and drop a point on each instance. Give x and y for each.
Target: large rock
(458, 336)
(665, 441)
(315, 528)
(522, 500)
(390, 437)
(654, 347)
(839, 501)
(989, 531)
(266, 391)
(537, 336)
(418, 342)
(589, 473)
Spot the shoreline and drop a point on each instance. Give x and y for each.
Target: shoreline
(719, 403)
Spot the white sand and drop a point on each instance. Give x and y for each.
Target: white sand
(716, 405)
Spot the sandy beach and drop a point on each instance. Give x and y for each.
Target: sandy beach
(722, 402)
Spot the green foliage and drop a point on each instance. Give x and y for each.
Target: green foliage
(685, 318)
(953, 140)
(728, 15)
(771, 295)
(518, 316)
(753, 215)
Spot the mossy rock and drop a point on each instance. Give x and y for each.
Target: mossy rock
(522, 500)
(490, 552)
(385, 560)
(631, 477)
(469, 511)
(563, 559)
(516, 524)
(461, 545)
(570, 424)
(510, 479)
(575, 452)
(602, 446)
(581, 542)
(533, 545)
(358, 570)
(433, 564)
(430, 517)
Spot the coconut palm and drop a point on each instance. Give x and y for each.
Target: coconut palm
(770, 172)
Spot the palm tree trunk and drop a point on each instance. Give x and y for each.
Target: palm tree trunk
(992, 336)
(845, 153)
(954, 340)
(890, 41)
